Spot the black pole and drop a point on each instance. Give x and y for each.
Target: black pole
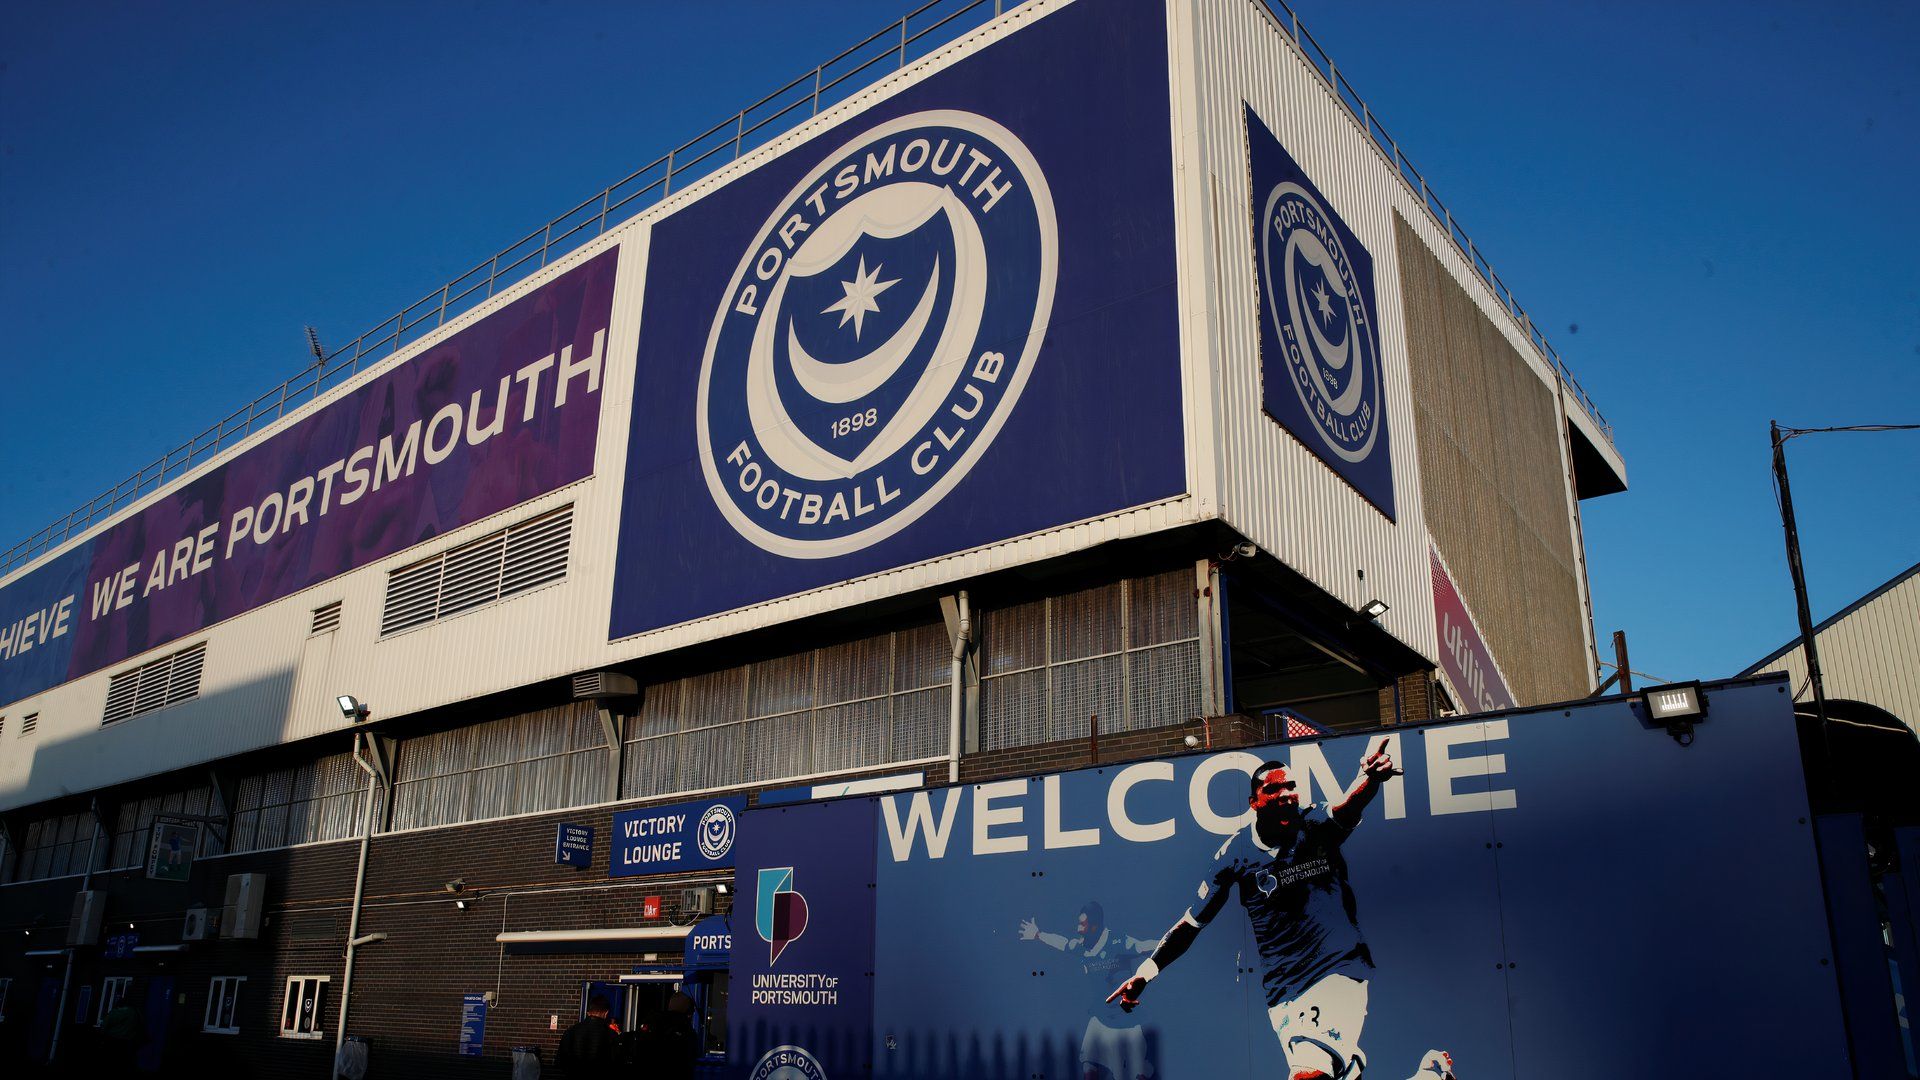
(1799, 578)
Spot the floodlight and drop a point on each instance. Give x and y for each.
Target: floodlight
(1374, 609)
(352, 708)
(1676, 707)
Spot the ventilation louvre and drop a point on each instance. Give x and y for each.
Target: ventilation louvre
(325, 619)
(155, 685)
(479, 572)
(28, 723)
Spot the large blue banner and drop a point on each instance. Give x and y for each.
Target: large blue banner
(946, 322)
(1320, 365)
(1566, 893)
(801, 997)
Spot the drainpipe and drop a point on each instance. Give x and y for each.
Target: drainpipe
(354, 940)
(961, 641)
(66, 979)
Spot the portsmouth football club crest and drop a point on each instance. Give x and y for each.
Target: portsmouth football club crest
(787, 1063)
(876, 334)
(1320, 343)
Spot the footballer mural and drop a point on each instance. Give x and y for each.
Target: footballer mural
(1480, 898)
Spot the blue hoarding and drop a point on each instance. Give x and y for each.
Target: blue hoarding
(1558, 893)
(801, 998)
(684, 836)
(1320, 365)
(946, 322)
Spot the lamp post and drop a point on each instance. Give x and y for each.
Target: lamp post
(1792, 531)
(1794, 567)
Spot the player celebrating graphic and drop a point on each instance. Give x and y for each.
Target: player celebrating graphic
(1292, 879)
(1114, 1045)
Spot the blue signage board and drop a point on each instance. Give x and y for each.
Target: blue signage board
(710, 944)
(573, 845)
(473, 1024)
(1320, 365)
(802, 976)
(120, 946)
(947, 322)
(1499, 897)
(681, 837)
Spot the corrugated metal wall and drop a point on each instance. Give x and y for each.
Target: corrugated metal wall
(1869, 654)
(1271, 487)
(1494, 484)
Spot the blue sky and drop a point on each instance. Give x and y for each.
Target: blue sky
(1717, 195)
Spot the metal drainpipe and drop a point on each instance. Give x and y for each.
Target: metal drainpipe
(359, 891)
(66, 979)
(960, 642)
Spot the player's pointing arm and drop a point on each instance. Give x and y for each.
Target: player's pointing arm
(1375, 769)
(1213, 896)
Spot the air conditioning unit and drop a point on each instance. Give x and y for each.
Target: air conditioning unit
(697, 901)
(89, 908)
(604, 684)
(199, 924)
(246, 901)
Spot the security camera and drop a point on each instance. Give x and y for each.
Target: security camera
(1245, 550)
(352, 708)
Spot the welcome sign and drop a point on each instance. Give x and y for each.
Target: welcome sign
(502, 411)
(1494, 890)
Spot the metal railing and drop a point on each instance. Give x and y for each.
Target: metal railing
(1288, 22)
(916, 33)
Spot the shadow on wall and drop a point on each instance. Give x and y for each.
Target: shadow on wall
(178, 737)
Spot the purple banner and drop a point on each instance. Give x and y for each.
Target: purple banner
(499, 413)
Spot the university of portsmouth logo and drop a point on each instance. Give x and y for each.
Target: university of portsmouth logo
(1320, 356)
(787, 1063)
(716, 831)
(877, 334)
(780, 912)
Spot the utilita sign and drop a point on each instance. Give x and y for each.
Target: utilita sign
(1464, 657)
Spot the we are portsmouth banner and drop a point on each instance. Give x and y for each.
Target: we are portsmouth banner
(502, 411)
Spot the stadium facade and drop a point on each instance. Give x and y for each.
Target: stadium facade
(1100, 383)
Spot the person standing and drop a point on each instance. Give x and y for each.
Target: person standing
(590, 1049)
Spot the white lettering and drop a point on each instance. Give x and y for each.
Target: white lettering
(1443, 769)
(986, 815)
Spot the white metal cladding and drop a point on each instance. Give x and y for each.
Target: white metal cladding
(1870, 653)
(1271, 487)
